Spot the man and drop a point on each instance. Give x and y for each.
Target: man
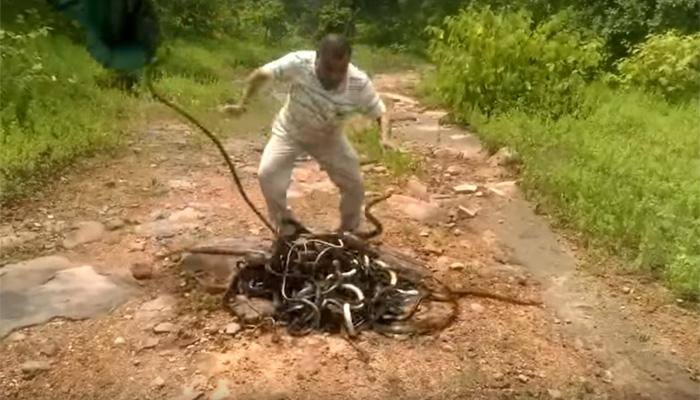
(325, 89)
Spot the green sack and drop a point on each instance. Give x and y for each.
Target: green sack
(121, 34)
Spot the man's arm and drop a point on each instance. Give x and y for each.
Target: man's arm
(281, 69)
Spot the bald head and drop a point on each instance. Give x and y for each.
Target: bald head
(334, 45)
(332, 60)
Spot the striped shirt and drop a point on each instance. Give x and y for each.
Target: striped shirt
(312, 112)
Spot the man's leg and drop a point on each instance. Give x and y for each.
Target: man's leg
(337, 157)
(275, 174)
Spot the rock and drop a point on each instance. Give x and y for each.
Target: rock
(180, 184)
(188, 214)
(190, 394)
(477, 308)
(432, 249)
(554, 394)
(418, 210)
(222, 391)
(252, 310)
(114, 224)
(165, 327)
(150, 343)
(158, 214)
(626, 290)
(466, 188)
(468, 212)
(447, 153)
(498, 376)
(119, 341)
(38, 291)
(32, 368)
(453, 170)
(457, 266)
(416, 189)
(141, 270)
(503, 189)
(137, 246)
(523, 378)
(379, 169)
(158, 382)
(424, 233)
(48, 349)
(232, 328)
(503, 157)
(85, 232)
(160, 307)
(608, 376)
(403, 116)
(16, 337)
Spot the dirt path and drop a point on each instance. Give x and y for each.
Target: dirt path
(595, 338)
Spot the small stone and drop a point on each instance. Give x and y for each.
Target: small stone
(137, 246)
(165, 327)
(158, 382)
(466, 188)
(503, 157)
(477, 308)
(554, 394)
(379, 169)
(32, 368)
(424, 233)
(232, 328)
(468, 212)
(498, 376)
(432, 249)
(252, 310)
(17, 337)
(479, 194)
(523, 378)
(119, 341)
(453, 170)
(85, 232)
(417, 189)
(608, 376)
(49, 349)
(150, 343)
(626, 290)
(457, 266)
(141, 270)
(114, 224)
(136, 362)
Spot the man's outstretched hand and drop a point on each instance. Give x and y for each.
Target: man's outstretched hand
(233, 109)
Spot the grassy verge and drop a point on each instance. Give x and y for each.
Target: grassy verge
(624, 172)
(58, 105)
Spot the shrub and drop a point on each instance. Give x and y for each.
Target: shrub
(497, 62)
(667, 63)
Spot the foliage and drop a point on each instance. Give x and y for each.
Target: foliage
(495, 62)
(625, 23)
(625, 174)
(667, 63)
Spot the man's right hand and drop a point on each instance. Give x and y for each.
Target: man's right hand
(233, 109)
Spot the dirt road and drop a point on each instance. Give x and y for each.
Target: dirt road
(599, 336)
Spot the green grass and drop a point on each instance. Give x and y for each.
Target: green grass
(58, 105)
(625, 172)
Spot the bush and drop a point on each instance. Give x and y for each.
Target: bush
(668, 64)
(497, 62)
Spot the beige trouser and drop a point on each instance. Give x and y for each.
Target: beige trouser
(334, 154)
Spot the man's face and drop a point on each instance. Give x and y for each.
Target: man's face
(331, 70)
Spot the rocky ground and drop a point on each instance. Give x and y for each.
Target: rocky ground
(97, 303)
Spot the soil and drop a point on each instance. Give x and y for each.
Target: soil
(597, 336)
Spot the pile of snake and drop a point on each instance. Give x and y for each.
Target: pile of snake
(339, 282)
